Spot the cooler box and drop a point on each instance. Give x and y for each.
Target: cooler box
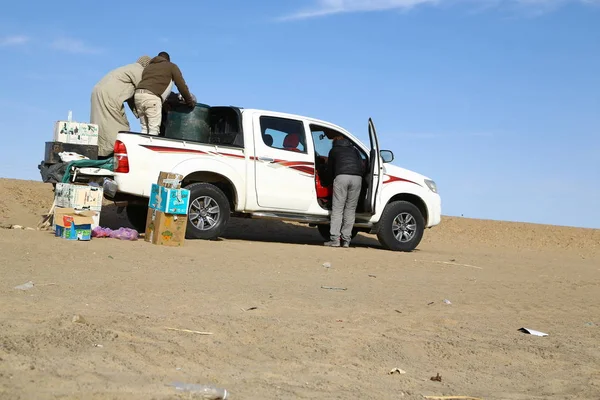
(169, 201)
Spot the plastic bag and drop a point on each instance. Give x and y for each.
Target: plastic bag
(121, 233)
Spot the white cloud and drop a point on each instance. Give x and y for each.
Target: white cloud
(74, 46)
(14, 40)
(323, 8)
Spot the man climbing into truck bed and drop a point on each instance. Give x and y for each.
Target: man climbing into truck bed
(153, 89)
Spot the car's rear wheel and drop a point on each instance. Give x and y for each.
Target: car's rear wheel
(324, 231)
(401, 226)
(137, 215)
(208, 212)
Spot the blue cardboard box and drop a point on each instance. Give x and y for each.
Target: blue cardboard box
(169, 201)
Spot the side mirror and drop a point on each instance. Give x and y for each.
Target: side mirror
(387, 156)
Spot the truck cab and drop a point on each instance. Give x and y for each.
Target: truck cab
(266, 164)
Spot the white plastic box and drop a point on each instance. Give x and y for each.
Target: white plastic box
(76, 133)
(79, 197)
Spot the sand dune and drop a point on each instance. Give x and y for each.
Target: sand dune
(301, 341)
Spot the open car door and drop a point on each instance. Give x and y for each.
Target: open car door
(375, 174)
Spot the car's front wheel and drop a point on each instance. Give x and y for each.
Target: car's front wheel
(208, 212)
(401, 226)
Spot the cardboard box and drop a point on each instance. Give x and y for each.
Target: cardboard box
(73, 225)
(169, 201)
(54, 148)
(169, 180)
(165, 229)
(79, 197)
(94, 214)
(76, 133)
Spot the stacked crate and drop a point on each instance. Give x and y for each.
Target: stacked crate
(167, 211)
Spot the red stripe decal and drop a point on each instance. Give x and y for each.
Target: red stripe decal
(396, 179)
(163, 149)
(305, 169)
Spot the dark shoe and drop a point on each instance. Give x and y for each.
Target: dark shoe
(332, 243)
(346, 245)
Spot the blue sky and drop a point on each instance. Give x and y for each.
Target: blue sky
(498, 101)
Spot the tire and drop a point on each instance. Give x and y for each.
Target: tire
(209, 221)
(324, 231)
(137, 215)
(396, 235)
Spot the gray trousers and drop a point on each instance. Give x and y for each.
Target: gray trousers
(346, 192)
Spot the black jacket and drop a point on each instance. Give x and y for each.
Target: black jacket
(344, 159)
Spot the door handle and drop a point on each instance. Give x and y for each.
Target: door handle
(266, 159)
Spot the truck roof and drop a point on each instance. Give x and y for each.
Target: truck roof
(294, 116)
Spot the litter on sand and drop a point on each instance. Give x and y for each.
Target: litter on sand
(333, 288)
(25, 286)
(207, 392)
(189, 331)
(397, 371)
(449, 263)
(532, 332)
(452, 398)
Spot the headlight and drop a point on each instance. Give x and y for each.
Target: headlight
(431, 185)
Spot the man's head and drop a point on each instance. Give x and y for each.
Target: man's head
(332, 135)
(165, 55)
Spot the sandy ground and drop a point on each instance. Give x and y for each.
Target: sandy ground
(301, 341)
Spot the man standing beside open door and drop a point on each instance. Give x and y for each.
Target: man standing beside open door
(346, 169)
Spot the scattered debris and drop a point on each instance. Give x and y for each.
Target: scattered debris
(98, 345)
(16, 227)
(78, 319)
(446, 301)
(397, 371)
(333, 288)
(327, 265)
(532, 332)
(252, 308)
(437, 378)
(398, 311)
(452, 398)
(111, 257)
(453, 259)
(433, 302)
(29, 229)
(449, 263)
(189, 331)
(589, 324)
(25, 286)
(372, 276)
(205, 391)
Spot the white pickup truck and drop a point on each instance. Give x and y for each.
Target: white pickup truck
(264, 164)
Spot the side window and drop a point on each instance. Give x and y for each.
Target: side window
(283, 134)
(323, 140)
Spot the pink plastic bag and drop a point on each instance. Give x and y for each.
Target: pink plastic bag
(121, 233)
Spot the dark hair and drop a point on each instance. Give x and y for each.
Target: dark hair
(165, 55)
